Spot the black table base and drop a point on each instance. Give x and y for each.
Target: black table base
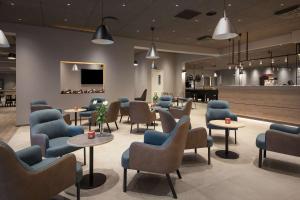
(98, 180)
(228, 155)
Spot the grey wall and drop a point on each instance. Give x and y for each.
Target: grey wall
(9, 80)
(251, 75)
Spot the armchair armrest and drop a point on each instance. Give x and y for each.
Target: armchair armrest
(40, 139)
(74, 130)
(30, 155)
(176, 112)
(196, 138)
(155, 137)
(285, 128)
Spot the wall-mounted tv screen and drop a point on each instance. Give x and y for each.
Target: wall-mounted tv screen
(91, 76)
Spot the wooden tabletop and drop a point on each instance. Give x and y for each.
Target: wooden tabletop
(83, 140)
(73, 110)
(222, 124)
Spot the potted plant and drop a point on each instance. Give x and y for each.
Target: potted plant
(155, 97)
(101, 112)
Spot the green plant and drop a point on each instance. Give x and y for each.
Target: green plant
(101, 111)
(155, 97)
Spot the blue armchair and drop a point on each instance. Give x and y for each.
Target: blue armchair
(94, 103)
(51, 133)
(164, 157)
(279, 138)
(219, 110)
(26, 175)
(164, 102)
(124, 107)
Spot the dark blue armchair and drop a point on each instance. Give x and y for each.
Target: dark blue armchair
(26, 175)
(94, 103)
(49, 130)
(164, 102)
(219, 110)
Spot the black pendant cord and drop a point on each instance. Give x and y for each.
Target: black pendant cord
(102, 19)
(152, 32)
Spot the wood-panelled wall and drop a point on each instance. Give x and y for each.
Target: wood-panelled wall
(272, 103)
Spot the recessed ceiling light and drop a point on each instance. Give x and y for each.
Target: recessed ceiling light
(69, 4)
(153, 20)
(282, 4)
(239, 20)
(173, 31)
(65, 19)
(20, 19)
(12, 3)
(138, 31)
(196, 20)
(229, 5)
(124, 4)
(157, 38)
(176, 5)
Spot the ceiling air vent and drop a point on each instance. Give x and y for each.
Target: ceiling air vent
(204, 38)
(187, 14)
(289, 12)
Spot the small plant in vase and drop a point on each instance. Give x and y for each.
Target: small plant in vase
(101, 112)
(155, 98)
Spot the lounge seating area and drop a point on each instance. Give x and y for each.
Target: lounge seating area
(152, 100)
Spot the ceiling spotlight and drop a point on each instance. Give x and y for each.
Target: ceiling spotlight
(282, 4)
(135, 63)
(153, 20)
(229, 5)
(65, 19)
(176, 5)
(260, 62)
(69, 4)
(229, 67)
(196, 20)
(124, 4)
(173, 31)
(11, 56)
(250, 63)
(20, 19)
(12, 3)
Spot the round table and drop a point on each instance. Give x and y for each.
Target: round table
(91, 180)
(75, 111)
(226, 154)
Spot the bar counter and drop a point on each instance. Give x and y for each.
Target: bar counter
(271, 103)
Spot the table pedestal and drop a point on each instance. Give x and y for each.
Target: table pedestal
(92, 180)
(226, 154)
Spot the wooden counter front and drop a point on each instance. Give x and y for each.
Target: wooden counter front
(272, 103)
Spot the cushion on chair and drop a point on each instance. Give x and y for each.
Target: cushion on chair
(218, 104)
(124, 105)
(155, 137)
(166, 98)
(210, 141)
(285, 128)
(59, 147)
(123, 100)
(44, 163)
(261, 141)
(125, 159)
(164, 104)
(86, 113)
(53, 129)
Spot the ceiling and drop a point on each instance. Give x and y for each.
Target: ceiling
(135, 19)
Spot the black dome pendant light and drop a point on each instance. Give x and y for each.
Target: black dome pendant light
(102, 34)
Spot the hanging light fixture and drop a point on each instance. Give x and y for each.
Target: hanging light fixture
(102, 34)
(224, 29)
(3, 40)
(152, 52)
(75, 68)
(260, 62)
(215, 75)
(272, 61)
(286, 59)
(250, 63)
(135, 63)
(11, 56)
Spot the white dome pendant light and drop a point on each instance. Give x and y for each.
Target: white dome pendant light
(224, 29)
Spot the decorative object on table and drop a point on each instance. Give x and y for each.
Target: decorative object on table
(91, 108)
(227, 120)
(101, 114)
(155, 98)
(91, 134)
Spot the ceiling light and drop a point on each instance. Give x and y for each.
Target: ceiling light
(138, 31)
(135, 63)
(282, 4)
(11, 56)
(75, 68)
(176, 5)
(69, 4)
(239, 20)
(229, 5)
(272, 61)
(12, 3)
(196, 20)
(102, 34)
(173, 31)
(124, 4)
(224, 30)
(215, 74)
(229, 67)
(153, 20)
(286, 59)
(153, 65)
(3, 40)
(152, 52)
(260, 62)
(65, 19)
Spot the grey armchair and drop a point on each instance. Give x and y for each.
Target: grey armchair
(25, 175)
(140, 113)
(50, 132)
(143, 97)
(196, 138)
(42, 105)
(91, 108)
(163, 158)
(179, 112)
(111, 115)
(164, 102)
(219, 110)
(279, 138)
(124, 107)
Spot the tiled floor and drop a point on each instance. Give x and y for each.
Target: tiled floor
(240, 179)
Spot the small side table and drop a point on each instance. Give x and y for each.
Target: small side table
(226, 154)
(75, 111)
(91, 180)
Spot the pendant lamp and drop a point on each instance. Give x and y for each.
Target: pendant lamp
(224, 29)
(11, 56)
(75, 68)
(102, 34)
(3, 40)
(152, 52)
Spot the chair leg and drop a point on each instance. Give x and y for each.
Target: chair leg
(208, 155)
(195, 150)
(178, 174)
(108, 127)
(234, 136)
(78, 191)
(84, 156)
(265, 153)
(154, 125)
(171, 186)
(147, 126)
(209, 132)
(116, 125)
(260, 158)
(121, 118)
(125, 180)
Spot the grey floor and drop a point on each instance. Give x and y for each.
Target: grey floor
(240, 179)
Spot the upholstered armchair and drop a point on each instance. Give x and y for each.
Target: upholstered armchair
(162, 158)
(219, 110)
(140, 113)
(111, 115)
(91, 108)
(143, 97)
(279, 138)
(179, 112)
(196, 138)
(42, 105)
(51, 133)
(124, 107)
(26, 175)
(164, 102)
